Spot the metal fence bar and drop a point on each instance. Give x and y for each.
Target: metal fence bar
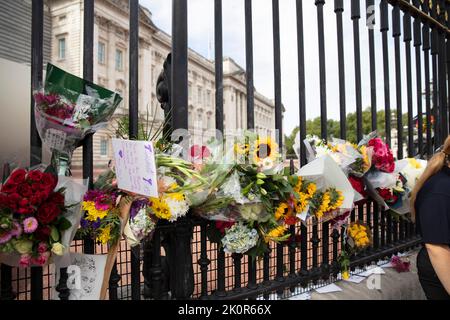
(426, 58)
(417, 45)
(339, 10)
(443, 102)
(396, 33)
(435, 88)
(356, 16)
(384, 28)
(133, 128)
(407, 38)
(218, 42)
(249, 65)
(371, 22)
(301, 80)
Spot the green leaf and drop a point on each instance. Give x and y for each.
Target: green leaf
(64, 224)
(54, 234)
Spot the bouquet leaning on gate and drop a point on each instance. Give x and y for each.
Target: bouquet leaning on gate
(67, 110)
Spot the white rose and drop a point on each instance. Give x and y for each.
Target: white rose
(58, 249)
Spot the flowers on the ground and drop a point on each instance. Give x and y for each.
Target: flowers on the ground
(400, 264)
(31, 215)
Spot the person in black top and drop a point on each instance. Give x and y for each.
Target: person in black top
(430, 201)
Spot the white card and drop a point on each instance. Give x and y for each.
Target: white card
(376, 270)
(355, 279)
(329, 289)
(136, 167)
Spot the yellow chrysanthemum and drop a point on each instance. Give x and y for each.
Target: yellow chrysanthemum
(178, 196)
(301, 203)
(105, 235)
(345, 275)
(265, 148)
(93, 213)
(161, 209)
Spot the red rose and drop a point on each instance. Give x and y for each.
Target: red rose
(37, 198)
(222, 226)
(24, 190)
(47, 213)
(386, 194)
(4, 200)
(49, 181)
(56, 198)
(13, 201)
(25, 210)
(9, 187)
(42, 233)
(34, 175)
(17, 176)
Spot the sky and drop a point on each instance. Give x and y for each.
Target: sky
(201, 39)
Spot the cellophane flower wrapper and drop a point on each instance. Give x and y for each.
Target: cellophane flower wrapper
(411, 169)
(140, 225)
(69, 108)
(339, 150)
(326, 173)
(75, 190)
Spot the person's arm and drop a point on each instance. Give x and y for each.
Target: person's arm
(440, 259)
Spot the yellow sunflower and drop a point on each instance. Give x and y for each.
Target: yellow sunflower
(161, 209)
(275, 233)
(265, 148)
(282, 211)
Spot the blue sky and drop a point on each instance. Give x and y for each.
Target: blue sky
(201, 39)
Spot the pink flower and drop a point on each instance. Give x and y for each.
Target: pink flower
(41, 260)
(42, 247)
(25, 260)
(5, 236)
(30, 225)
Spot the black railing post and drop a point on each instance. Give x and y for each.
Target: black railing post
(204, 261)
(384, 28)
(237, 262)
(220, 273)
(133, 127)
(417, 45)
(249, 65)
(182, 272)
(426, 59)
(218, 41)
(301, 83)
(370, 22)
(396, 33)
(37, 39)
(356, 16)
(339, 9)
(435, 90)
(407, 37)
(443, 102)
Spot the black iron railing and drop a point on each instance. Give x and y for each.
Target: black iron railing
(180, 262)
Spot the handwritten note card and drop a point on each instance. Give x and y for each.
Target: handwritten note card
(135, 167)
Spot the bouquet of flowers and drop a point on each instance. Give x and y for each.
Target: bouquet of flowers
(141, 224)
(246, 197)
(411, 169)
(69, 108)
(322, 191)
(357, 238)
(34, 218)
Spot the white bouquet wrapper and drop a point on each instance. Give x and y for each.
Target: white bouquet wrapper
(411, 169)
(74, 193)
(326, 173)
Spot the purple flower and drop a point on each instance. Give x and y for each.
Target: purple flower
(16, 231)
(137, 206)
(84, 223)
(96, 224)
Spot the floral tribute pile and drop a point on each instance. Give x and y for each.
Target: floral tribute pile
(32, 217)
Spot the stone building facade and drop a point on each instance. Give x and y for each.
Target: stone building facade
(111, 38)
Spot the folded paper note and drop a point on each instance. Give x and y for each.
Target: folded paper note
(136, 167)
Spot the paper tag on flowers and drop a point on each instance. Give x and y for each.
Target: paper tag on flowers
(55, 139)
(136, 167)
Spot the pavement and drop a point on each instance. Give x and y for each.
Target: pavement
(380, 282)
